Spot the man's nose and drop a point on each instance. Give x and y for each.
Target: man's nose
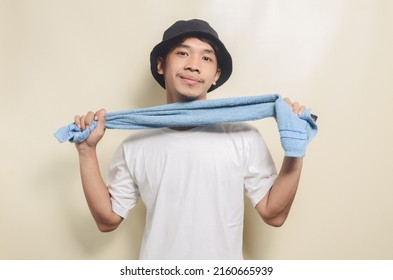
(193, 64)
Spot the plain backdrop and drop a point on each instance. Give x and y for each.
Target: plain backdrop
(66, 57)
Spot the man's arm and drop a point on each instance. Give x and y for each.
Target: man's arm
(95, 190)
(274, 207)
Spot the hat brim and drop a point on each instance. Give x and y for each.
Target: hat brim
(223, 56)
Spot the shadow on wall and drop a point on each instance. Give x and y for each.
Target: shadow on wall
(255, 232)
(61, 190)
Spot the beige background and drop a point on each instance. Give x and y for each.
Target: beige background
(61, 58)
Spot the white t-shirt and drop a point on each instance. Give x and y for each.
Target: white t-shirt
(192, 183)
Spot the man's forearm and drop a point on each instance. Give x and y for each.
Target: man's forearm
(96, 192)
(274, 207)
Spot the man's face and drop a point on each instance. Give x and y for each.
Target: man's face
(189, 71)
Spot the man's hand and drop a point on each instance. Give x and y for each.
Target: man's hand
(294, 122)
(84, 122)
(295, 106)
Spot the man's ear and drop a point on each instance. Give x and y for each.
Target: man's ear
(218, 74)
(160, 66)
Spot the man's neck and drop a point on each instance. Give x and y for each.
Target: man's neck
(172, 98)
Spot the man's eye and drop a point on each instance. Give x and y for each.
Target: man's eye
(206, 58)
(181, 53)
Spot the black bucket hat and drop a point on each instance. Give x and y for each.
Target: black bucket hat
(188, 28)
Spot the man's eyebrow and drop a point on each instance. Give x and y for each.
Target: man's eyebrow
(189, 47)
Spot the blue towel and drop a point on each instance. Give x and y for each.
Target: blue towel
(295, 131)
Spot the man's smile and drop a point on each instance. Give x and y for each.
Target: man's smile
(189, 79)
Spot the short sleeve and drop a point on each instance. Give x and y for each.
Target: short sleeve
(122, 188)
(260, 170)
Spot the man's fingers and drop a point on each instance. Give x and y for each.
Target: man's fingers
(301, 109)
(288, 101)
(99, 116)
(295, 106)
(84, 121)
(77, 121)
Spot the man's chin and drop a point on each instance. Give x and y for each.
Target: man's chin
(188, 98)
(192, 96)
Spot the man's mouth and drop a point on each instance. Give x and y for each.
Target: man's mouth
(190, 80)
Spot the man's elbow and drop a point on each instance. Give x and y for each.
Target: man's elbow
(275, 222)
(274, 219)
(270, 217)
(106, 227)
(109, 225)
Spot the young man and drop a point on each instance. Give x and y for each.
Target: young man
(191, 179)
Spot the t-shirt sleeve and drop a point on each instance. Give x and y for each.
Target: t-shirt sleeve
(260, 170)
(122, 188)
